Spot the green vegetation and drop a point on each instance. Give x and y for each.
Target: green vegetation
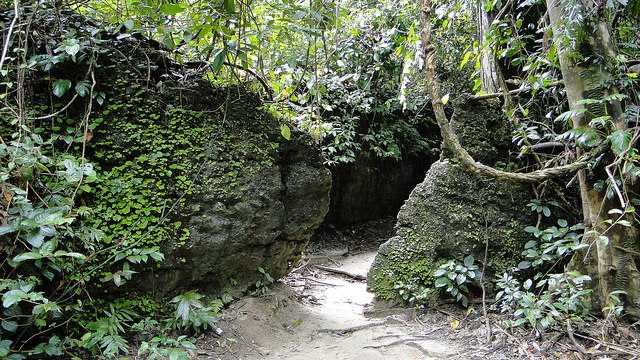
(132, 133)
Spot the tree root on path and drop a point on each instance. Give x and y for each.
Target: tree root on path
(317, 281)
(341, 272)
(411, 342)
(426, 352)
(399, 342)
(349, 330)
(352, 329)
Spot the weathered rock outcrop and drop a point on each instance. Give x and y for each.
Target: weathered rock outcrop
(482, 129)
(267, 226)
(452, 213)
(244, 197)
(199, 172)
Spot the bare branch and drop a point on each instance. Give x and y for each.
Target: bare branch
(16, 10)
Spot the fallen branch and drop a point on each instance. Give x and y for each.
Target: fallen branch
(398, 342)
(619, 349)
(342, 272)
(580, 348)
(424, 351)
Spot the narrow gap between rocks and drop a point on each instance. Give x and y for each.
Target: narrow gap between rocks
(322, 309)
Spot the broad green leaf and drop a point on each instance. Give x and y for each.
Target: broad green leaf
(27, 256)
(619, 141)
(13, 297)
(465, 59)
(439, 272)
(285, 131)
(6, 229)
(524, 265)
(218, 60)
(440, 282)
(82, 88)
(172, 9)
(468, 261)
(568, 115)
(5, 346)
(60, 87)
(10, 326)
(129, 24)
(35, 238)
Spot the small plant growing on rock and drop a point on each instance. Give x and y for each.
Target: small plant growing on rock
(454, 277)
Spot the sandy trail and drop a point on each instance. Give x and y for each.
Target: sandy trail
(313, 314)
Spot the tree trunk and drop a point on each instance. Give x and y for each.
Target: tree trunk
(491, 77)
(610, 267)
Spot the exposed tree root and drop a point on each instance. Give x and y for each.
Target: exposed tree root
(317, 281)
(399, 342)
(426, 352)
(352, 329)
(342, 272)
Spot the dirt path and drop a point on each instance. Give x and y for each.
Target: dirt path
(314, 314)
(317, 315)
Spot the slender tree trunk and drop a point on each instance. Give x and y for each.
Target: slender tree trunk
(610, 267)
(491, 76)
(489, 71)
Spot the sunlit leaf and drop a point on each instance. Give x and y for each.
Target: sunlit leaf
(60, 87)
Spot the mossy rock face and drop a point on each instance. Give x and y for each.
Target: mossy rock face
(482, 129)
(448, 216)
(200, 172)
(222, 192)
(452, 213)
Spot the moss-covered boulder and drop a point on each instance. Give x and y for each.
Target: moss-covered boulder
(448, 216)
(197, 172)
(204, 174)
(482, 129)
(452, 213)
